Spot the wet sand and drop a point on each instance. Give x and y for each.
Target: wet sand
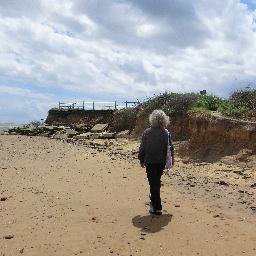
(63, 199)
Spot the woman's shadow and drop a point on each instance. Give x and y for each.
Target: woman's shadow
(151, 223)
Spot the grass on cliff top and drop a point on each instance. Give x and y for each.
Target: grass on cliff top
(240, 105)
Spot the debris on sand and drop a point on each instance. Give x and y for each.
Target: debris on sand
(222, 183)
(10, 236)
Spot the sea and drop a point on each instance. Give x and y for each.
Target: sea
(5, 126)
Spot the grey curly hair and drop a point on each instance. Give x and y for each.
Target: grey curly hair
(158, 119)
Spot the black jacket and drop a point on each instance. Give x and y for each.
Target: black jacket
(153, 147)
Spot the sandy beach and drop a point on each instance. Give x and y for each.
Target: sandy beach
(63, 199)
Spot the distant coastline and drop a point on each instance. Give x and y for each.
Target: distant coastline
(6, 126)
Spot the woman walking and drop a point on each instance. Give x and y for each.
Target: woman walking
(152, 155)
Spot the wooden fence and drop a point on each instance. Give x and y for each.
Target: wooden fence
(98, 105)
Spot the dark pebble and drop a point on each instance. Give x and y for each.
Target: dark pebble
(222, 183)
(8, 236)
(253, 208)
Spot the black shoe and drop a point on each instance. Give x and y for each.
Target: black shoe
(155, 212)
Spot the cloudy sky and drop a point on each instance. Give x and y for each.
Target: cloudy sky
(106, 50)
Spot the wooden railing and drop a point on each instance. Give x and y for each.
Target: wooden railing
(98, 105)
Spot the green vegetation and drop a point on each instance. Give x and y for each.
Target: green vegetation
(241, 105)
(246, 98)
(124, 119)
(170, 103)
(208, 102)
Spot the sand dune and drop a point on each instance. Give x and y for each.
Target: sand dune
(64, 199)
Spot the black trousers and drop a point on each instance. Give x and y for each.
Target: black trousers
(154, 173)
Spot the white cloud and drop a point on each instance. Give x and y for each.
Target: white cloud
(17, 91)
(146, 30)
(126, 49)
(23, 110)
(22, 105)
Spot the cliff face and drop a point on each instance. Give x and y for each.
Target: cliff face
(208, 136)
(178, 126)
(75, 117)
(213, 136)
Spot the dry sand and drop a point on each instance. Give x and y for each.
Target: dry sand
(65, 199)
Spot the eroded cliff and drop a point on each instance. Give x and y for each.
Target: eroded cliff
(202, 136)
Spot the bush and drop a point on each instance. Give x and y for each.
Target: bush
(124, 119)
(245, 98)
(169, 103)
(208, 102)
(241, 104)
(229, 108)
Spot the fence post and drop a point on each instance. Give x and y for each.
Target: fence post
(115, 104)
(93, 105)
(59, 105)
(83, 104)
(126, 103)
